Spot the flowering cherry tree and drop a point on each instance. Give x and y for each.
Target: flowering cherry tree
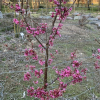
(72, 71)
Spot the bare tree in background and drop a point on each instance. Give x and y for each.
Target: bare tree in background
(78, 1)
(88, 3)
(99, 5)
(30, 3)
(0, 4)
(21, 3)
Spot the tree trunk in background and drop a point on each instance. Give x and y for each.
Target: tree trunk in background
(0, 5)
(78, 3)
(30, 3)
(22, 4)
(99, 6)
(88, 2)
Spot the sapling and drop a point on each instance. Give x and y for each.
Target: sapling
(45, 36)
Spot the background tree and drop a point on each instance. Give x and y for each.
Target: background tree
(0, 4)
(88, 3)
(99, 5)
(78, 1)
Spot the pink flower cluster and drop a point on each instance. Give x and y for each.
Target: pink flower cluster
(62, 12)
(50, 61)
(97, 56)
(11, 6)
(55, 93)
(22, 23)
(76, 64)
(41, 62)
(41, 48)
(17, 8)
(39, 93)
(83, 71)
(62, 86)
(57, 2)
(38, 73)
(73, 55)
(38, 30)
(66, 72)
(31, 68)
(77, 76)
(44, 95)
(15, 21)
(27, 76)
(56, 31)
(32, 53)
(97, 66)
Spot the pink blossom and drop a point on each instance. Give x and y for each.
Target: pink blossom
(56, 51)
(75, 63)
(35, 82)
(53, 14)
(51, 42)
(62, 86)
(18, 8)
(77, 76)
(97, 66)
(28, 29)
(51, 55)
(56, 2)
(84, 70)
(27, 76)
(22, 24)
(70, 9)
(41, 49)
(23, 11)
(26, 52)
(66, 72)
(39, 45)
(55, 93)
(15, 21)
(39, 93)
(31, 68)
(60, 25)
(30, 92)
(41, 62)
(93, 55)
(11, 6)
(35, 57)
(33, 29)
(98, 56)
(98, 50)
(26, 65)
(38, 73)
(31, 52)
(50, 61)
(64, 2)
(73, 55)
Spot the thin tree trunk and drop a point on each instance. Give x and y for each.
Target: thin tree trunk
(78, 3)
(88, 2)
(0, 5)
(46, 68)
(99, 6)
(22, 4)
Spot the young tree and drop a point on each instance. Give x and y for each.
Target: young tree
(41, 32)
